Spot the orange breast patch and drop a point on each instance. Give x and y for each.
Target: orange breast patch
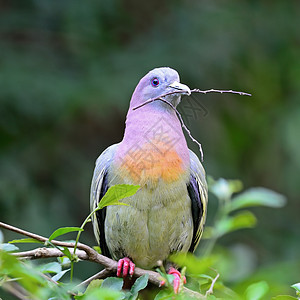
(152, 162)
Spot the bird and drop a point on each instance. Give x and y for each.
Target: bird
(168, 212)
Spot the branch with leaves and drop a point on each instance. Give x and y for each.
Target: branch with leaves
(76, 251)
(24, 281)
(82, 252)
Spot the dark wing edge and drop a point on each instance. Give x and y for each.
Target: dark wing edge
(197, 190)
(99, 187)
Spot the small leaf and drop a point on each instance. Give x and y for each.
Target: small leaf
(116, 193)
(256, 197)
(26, 240)
(64, 260)
(98, 249)
(8, 247)
(194, 264)
(164, 295)
(223, 189)
(113, 283)
(63, 230)
(284, 297)
(106, 294)
(95, 284)
(59, 275)
(140, 284)
(66, 252)
(296, 286)
(257, 290)
(211, 297)
(52, 267)
(244, 219)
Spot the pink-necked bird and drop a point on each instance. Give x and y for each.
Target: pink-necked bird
(168, 212)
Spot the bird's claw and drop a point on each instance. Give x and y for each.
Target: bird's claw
(125, 267)
(176, 280)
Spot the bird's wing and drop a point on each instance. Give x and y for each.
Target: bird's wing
(99, 187)
(197, 189)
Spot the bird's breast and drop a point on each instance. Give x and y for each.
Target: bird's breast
(150, 162)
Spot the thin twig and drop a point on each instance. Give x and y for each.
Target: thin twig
(220, 91)
(179, 115)
(211, 288)
(183, 125)
(192, 91)
(101, 275)
(156, 98)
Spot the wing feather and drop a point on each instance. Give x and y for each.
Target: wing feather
(99, 187)
(197, 189)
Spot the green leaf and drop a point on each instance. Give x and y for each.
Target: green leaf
(52, 267)
(27, 276)
(164, 295)
(63, 230)
(139, 284)
(103, 294)
(26, 240)
(244, 219)
(66, 252)
(95, 284)
(64, 260)
(256, 197)
(257, 290)
(223, 189)
(98, 249)
(116, 193)
(296, 286)
(194, 264)
(113, 283)
(8, 247)
(284, 297)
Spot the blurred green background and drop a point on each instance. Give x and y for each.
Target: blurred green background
(67, 71)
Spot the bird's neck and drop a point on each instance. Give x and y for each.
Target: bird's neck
(154, 146)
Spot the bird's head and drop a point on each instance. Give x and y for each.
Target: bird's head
(159, 82)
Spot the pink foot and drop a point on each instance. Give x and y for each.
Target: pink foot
(176, 281)
(125, 265)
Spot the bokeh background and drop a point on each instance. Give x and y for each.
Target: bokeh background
(67, 71)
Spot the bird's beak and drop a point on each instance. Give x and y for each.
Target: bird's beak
(184, 89)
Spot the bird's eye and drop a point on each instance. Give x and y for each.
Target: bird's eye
(155, 82)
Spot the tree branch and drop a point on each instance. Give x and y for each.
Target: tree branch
(83, 252)
(16, 290)
(87, 253)
(101, 275)
(220, 91)
(48, 252)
